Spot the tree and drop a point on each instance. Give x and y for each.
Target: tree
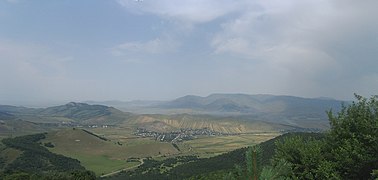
(353, 138)
(255, 170)
(253, 157)
(349, 151)
(306, 158)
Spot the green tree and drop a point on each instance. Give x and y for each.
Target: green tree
(253, 157)
(353, 138)
(306, 158)
(255, 170)
(349, 151)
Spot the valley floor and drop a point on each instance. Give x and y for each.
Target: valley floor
(120, 149)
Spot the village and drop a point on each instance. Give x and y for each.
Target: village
(177, 136)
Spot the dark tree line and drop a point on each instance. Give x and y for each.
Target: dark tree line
(36, 162)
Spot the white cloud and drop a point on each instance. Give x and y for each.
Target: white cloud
(156, 46)
(193, 11)
(314, 43)
(279, 24)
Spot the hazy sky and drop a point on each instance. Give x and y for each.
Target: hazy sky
(70, 50)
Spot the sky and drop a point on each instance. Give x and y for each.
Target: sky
(69, 50)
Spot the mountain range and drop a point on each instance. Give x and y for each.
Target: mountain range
(258, 107)
(231, 113)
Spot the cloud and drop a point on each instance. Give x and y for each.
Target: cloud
(304, 47)
(155, 46)
(191, 11)
(296, 47)
(279, 24)
(314, 43)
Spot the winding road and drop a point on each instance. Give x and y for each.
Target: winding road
(118, 171)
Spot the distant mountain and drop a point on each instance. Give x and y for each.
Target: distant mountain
(6, 116)
(72, 112)
(232, 113)
(244, 103)
(16, 109)
(16, 127)
(77, 111)
(136, 106)
(289, 110)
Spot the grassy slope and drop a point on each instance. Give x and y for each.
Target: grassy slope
(166, 123)
(224, 163)
(11, 128)
(222, 144)
(106, 156)
(103, 156)
(71, 112)
(215, 167)
(8, 154)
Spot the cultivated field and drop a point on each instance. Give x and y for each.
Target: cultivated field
(214, 145)
(103, 156)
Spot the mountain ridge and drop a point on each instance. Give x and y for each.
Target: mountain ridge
(244, 103)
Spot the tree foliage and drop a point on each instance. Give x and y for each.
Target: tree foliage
(349, 151)
(254, 167)
(354, 137)
(36, 162)
(307, 158)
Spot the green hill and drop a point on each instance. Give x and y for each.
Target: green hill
(288, 110)
(77, 111)
(16, 127)
(80, 113)
(229, 125)
(25, 157)
(245, 103)
(36, 158)
(100, 155)
(207, 167)
(6, 116)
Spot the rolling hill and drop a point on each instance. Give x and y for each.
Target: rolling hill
(99, 154)
(227, 113)
(288, 110)
(228, 125)
(11, 126)
(257, 107)
(80, 113)
(251, 104)
(86, 114)
(207, 168)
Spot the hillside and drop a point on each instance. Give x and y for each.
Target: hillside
(6, 116)
(286, 110)
(205, 168)
(19, 127)
(12, 125)
(229, 125)
(100, 154)
(243, 103)
(32, 157)
(80, 113)
(226, 113)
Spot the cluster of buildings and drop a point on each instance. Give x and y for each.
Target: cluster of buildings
(177, 136)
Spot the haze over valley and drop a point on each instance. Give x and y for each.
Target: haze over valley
(212, 89)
